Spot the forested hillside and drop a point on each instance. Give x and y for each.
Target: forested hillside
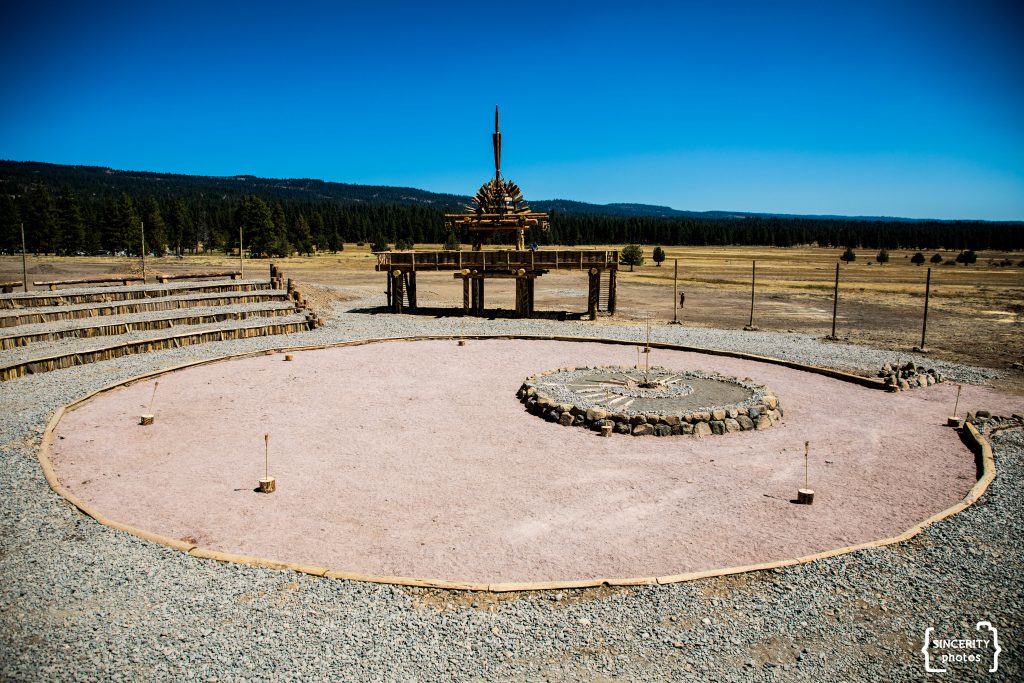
(82, 209)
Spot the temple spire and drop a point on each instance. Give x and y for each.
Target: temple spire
(497, 145)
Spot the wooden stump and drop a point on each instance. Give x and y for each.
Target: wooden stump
(289, 356)
(953, 422)
(606, 430)
(805, 496)
(146, 420)
(268, 485)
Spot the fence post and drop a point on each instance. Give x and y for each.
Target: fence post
(927, 294)
(835, 302)
(753, 281)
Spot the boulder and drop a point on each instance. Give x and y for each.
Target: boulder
(717, 427)
(904, 385)
(643, 430)
(596, 426)
(565, 419)
(662, 430)
(564, 408)
(746, 424)
(595, 414)
(753, 413)
(672, 420)
(701, 429)
(731, 425)
(622, 428)
(771, 402)
(718, 415)
(551, 415)
(686, 428)
(762, 423)
(638, 419)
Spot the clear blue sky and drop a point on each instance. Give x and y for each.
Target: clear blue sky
(873, 108)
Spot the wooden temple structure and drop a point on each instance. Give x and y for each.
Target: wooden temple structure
(499, 210)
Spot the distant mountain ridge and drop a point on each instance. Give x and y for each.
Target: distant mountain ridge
(102, 180)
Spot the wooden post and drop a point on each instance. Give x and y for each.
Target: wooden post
(412, 291)
(24, 261)
(388, 292)
(805, 496)
(593, 292)
(612, 277)
(142, 227)
(147, 417)
(927, 294)
(480, 284)
(835, 302)
(753, 281)
(521, 297)
(267, 483)
(241, 262)
(675, 294)
(953, 420)
(465, 293)
(397, 292)
(529, 295)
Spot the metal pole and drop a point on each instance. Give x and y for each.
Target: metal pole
(24, 261)
(753, 280)
(241, 263)
(675, 294)
(927, 294)
(835, 302)
(142, 224)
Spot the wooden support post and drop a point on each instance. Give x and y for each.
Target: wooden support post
(753, 283)
(142, 228)
(412, 290)
(835, 303)
(612, 276)
(521, 297)
(398, 293)
(241, 262)
(388, 276)
(24, 261)
(927, 295)
(530, 283)
(480, 285)
(465, 293)
(675, 294)
(593, 292)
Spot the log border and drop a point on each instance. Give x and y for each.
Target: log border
(978, 443)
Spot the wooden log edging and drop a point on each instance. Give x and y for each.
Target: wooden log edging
(12, 341)
(147, 306)
(980, 445)
(60, 362)
(33, 299)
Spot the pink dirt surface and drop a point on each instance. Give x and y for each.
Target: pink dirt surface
(415, 459)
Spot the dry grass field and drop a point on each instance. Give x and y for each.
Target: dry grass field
(976, 312)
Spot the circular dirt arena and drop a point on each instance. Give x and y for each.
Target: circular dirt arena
(415, 459)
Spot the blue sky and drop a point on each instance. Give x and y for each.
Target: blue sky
(859, 108)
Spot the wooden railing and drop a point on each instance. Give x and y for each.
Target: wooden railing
(553, 259)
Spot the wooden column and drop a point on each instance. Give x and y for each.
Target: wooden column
(411, 286)
(530, 282)
(522, 305)
(465, 293)
(398, 292)
(388, 276)
(611, 290)
(480, 285)
(593, 292)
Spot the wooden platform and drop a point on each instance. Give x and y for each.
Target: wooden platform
(475, 267)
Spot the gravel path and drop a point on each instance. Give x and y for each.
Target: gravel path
(79, 601)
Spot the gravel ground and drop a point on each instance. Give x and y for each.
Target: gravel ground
(79, 601)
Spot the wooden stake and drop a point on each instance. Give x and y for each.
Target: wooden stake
(835, 302)
(142, 227)
(927, 294)
(267, 483)
(805, 496)
(954, 420)
(675, 294)
(241, 261)
(24, 260)
(753, 280)
(147, 418)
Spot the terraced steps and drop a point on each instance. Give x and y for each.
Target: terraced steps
(45, 331)
(50, 314)
(49, 356)
(115, 325)
(126, 293)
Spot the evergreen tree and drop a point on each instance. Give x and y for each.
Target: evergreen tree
(72, 225)
(936, 259)
(156, 230)
(41, 233)
(10, 226)
(632, 255)
(181, 228)
(301, 236)
(257, 223)
(379, 243)
(918, 258)
(882, 257)
(451, 243)
(849, 255)
(658, 256)
(967, 257)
